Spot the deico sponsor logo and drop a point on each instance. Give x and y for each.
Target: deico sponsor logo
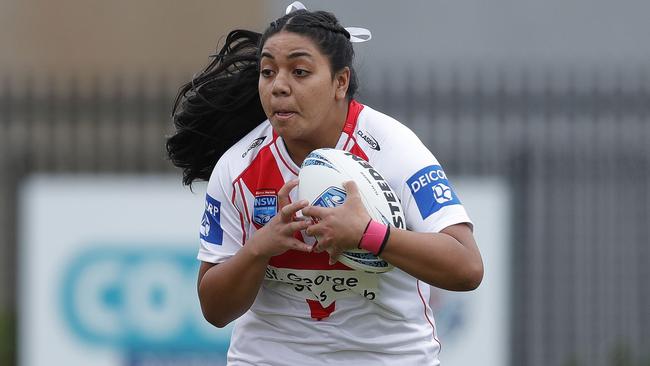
(431, 190)
(257, 142)
(426, 178)
(395, 209)
(369, 139)
(136, 299)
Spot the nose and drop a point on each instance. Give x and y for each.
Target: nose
(281, 85)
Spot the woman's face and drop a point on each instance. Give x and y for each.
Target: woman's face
(298, 91)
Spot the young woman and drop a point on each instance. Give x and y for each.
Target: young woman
(246, 123)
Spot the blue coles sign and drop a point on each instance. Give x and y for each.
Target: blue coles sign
(211, 230)
(431, 190)
(265, 206)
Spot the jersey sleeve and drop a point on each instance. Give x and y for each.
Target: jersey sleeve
(221, 231)
(428, 198)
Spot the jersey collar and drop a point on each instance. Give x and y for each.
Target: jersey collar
(345, 141)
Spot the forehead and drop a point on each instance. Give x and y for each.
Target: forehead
(285, 43)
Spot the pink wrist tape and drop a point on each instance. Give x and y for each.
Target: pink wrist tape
(375, 237)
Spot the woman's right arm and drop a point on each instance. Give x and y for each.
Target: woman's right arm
(227, 290)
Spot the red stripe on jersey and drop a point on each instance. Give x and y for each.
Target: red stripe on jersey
(318, 312)
(295, 259)
(277, 148)
(345, 146)
(356, 150)
(433, 327)
(263, 173)
(354, 108)
(243, 198)
(241, 217)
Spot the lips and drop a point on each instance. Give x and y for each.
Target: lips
(283, 114)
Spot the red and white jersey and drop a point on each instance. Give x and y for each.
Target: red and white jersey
(308, 312)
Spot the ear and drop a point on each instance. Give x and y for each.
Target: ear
(342, 82)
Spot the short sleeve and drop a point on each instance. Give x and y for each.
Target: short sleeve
(221, 231)
(428, 198)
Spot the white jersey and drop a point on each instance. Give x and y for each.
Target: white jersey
(308, 312)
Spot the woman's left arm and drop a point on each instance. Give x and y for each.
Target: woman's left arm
(449, 259)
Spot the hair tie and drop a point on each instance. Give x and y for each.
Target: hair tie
(357, 34)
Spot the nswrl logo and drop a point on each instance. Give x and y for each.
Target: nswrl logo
(265, 206)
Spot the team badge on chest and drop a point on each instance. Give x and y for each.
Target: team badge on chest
(265, 206)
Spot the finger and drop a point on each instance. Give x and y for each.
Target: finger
(315, 211)
(351, 189)
(320, 246)
(288, 212)
(298, 245)
(283, 193)
(316, 229)
(334, 258)
(297, 226)
(302, 218)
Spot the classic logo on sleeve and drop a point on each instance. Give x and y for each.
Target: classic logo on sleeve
(265, 206)
(367, 137)
(431, 190)
(211, 230)
(257, 142)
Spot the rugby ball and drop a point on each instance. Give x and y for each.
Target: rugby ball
(321, 177)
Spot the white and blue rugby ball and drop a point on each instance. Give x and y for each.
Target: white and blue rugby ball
(321, 183)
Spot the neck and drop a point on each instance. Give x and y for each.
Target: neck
(327, 137)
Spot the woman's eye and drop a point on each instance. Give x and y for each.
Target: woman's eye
(301, 72)
(266, 72)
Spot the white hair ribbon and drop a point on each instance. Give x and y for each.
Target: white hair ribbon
(357, 35)
(296, 5)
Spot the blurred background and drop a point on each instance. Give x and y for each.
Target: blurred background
(540, 110)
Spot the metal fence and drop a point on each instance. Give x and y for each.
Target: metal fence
(573, 143)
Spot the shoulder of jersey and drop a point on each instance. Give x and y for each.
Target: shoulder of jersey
(239, 156)
(377, 132)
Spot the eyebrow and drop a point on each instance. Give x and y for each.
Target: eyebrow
(292, 55)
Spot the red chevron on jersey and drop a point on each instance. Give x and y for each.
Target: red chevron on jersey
(262, 177)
